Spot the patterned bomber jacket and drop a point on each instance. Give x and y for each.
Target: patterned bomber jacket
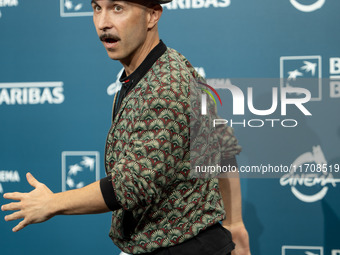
(147, 156)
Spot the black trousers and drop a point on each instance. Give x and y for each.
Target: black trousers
(214, 240)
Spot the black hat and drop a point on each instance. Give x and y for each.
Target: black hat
(162, 1)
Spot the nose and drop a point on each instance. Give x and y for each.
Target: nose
(104, 21)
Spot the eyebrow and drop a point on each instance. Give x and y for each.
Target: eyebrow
(95, 2)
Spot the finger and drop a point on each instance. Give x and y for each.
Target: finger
(31, 180)
(11, 207)
(20, 226)
(14, 195)
(14, 216)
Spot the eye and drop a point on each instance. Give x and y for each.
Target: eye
(117, 8)
(96, 7)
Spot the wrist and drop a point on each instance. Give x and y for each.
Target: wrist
(53, 205)
(234, 223)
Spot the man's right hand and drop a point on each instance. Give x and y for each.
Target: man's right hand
(42, 204)
(33, 207)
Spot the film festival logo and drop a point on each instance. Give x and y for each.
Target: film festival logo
(114, 87)
(311, 176)
(308, 7)
(75, 8)
(8, 3)
(8, 176)
(204, 97)
(79, 168)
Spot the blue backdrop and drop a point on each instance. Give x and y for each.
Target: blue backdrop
(55, 113)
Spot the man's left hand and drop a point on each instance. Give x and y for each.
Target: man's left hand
(240, 238)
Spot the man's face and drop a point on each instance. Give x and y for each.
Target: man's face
(122, 27)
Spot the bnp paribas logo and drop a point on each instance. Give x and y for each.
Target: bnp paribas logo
(205, 89)
(302, 250)
(75, 8)
(79, 168)
(302, 72)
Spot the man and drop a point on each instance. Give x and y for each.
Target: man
(156, 208)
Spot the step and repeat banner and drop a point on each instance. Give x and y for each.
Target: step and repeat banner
(275, 66)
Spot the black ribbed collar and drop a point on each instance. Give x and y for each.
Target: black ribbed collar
(138, 74)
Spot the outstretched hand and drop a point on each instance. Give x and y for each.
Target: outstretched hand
(240, 238)
(32, 207)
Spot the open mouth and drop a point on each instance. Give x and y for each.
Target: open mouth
(109, 40)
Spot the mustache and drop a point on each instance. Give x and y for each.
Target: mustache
(108, 36)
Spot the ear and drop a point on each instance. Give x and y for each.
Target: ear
(155, 13)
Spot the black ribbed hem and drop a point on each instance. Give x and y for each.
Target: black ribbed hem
(109, 194)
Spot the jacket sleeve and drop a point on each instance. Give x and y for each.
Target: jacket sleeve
(223, 135)
(157, 150)
(212, 143)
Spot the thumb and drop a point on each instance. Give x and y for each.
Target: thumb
(31, 180)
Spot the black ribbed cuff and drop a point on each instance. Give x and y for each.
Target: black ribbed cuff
(230, 161)
(109, 194)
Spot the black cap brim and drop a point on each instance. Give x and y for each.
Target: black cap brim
(164, 1)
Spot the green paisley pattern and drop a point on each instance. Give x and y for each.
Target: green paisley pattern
(148, 158)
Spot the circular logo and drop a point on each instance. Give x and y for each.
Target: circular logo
(310, 175)
(308, 8)
(115, 87)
